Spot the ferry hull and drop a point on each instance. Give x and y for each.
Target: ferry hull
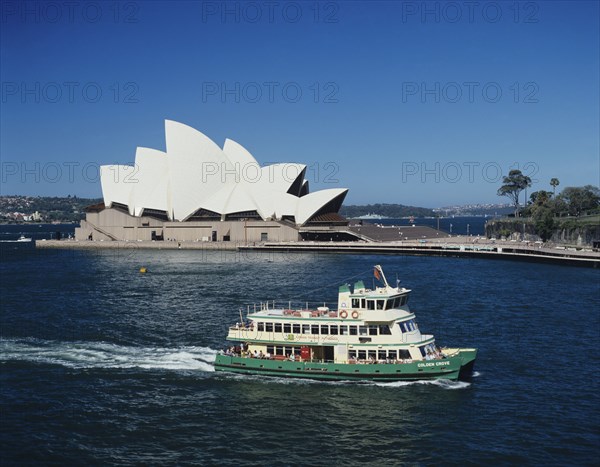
(459, 366)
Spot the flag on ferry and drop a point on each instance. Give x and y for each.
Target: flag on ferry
(376, 273)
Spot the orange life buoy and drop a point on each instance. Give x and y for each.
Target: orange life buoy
(343, 314)
(355, 314)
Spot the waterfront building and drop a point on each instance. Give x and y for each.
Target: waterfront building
(198, 191)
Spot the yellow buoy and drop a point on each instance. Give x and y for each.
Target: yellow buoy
(143, 270)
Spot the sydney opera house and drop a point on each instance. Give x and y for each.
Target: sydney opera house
(198, 191)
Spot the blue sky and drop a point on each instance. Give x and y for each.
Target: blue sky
(419, 103)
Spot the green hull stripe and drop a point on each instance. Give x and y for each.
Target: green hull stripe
(452, 375)
(434, 369)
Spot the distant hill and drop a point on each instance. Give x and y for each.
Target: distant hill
(23, 208)
(393, 211)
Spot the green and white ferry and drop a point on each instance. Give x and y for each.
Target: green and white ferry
(371, 336)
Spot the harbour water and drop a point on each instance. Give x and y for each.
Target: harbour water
(103, 365)
(471, 225)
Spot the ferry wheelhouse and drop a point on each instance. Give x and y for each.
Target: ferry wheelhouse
(372, 335)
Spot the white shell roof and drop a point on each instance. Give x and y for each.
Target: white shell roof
(195, 173)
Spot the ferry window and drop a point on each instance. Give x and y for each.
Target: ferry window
(278, 327)
(362, 354)
(402, 327)
(384, 329)
(380, 304)
(270, 349)
(392, 355)
(356, 303)
(278, 350)
(314, 329)
(324, 329)
(287, 328)
(353, 330)
(333, 330)
(404, 300)
(372, 355)
(381, 355)
(344, 330)
(296, 328)
(411, 325)
(372, 330)
(306, 329)
(423, 350)
(370, 304)
(352, 354)
(362, 330)
(389, 304)
(362, 303)
(260, 326)
(404, 354)
(269, 327)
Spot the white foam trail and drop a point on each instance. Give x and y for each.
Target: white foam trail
(443, 383)
(105, 355)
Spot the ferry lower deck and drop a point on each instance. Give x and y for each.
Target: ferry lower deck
(457, 366)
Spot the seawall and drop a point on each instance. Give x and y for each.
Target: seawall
(565, 257)
(462, 247)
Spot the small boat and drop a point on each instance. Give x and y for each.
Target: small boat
(371, 216)
(21, 239)
(371, 336)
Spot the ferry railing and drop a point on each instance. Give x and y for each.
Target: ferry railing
(271, 305)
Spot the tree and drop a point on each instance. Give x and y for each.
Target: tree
(537, 199)
(554, 183)
(543, 222)
(579, 199)
(513, 185)
(540, 197)
(541, 211)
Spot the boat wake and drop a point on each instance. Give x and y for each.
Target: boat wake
(442, 383)
(82, 355)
